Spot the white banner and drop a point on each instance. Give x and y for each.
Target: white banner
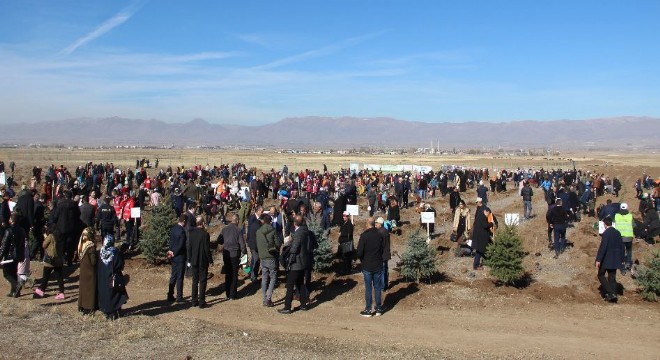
(428, 217)
(353, 209)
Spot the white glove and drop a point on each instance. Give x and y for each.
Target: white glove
(188, 264)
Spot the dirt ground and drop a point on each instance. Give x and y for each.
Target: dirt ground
(458, 314)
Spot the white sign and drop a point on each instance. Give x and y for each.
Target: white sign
(135, 212)
(3, 179)
(512, 219)
(353, 209)
(354, 167)
(428, 217)
(601, 228)
(11, 205)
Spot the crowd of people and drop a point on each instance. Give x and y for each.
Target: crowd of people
(66, 211)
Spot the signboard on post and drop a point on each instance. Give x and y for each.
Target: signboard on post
(353, 210)
(135, 212)
(428, 217)
(512, 219)
(3, 179)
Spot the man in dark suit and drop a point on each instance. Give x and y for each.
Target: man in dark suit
(87, 212)
(67, 220)
(233, 246)
(177, 255)
(199, 259)
(610, 257)
(38, 227)
(298, 262)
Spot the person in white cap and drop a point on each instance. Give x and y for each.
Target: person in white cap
(623, 221)
(346, 246)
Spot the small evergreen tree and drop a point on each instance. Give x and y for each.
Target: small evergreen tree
(505, 256)
(323, 255)
(648, 277)
(154, 239)
(418, 260)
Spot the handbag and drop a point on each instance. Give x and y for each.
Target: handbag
(346, 247)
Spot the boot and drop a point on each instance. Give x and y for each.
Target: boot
(170, 293)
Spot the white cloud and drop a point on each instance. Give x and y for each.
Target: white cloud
(102, 29)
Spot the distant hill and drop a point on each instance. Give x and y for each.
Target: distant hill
(323, 132)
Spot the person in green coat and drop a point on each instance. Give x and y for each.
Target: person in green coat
(268, 246)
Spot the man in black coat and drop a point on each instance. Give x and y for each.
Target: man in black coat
(609, 258)
(87, 212)
(233, 246)
(106, 218)
(298, 262)
(67, 220)
(38, 226)
(370, 249)
(253, 225)
(557, 218)
(199, 259)
(177, 255)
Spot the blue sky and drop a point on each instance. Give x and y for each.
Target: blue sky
(254, 62)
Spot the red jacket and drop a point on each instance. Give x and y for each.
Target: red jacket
(126, 207)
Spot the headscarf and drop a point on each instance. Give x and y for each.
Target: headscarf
(86, 241)
(108, 250)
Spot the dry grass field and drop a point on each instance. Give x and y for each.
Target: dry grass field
(459, 314)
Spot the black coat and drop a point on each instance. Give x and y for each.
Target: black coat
(87, 214)
(199, 248)
(25, 204)
(480, 231)
(370, 250)
(13, 244)
(177, 244)
(67, 216)
(299, 258)
(110, 297)
(610, 251)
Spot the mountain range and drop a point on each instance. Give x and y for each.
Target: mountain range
(326, 132)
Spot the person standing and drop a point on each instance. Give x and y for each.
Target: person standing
(346, 246)
(38, 227)
(557, 219)
(199, 260)
(268, 246)
(298, 262)
(609, 258)
(13, 251)
(482, 192)
(480, 235)
(387, 252)
(253, 225)
(87, 301)
(454, 200)
(53, 262)
(527, 193)
(67, 218)
(106, 218)
(110, 279)
(177, 255)
(370, 252)
(233, 247)
(462, 223)
(623, 221)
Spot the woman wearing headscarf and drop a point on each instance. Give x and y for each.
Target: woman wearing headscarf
(462, 223)
(110, 280)
(87, 301)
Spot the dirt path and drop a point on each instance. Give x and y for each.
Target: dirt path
(443, 319)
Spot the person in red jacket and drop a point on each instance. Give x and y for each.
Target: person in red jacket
(127, 203)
